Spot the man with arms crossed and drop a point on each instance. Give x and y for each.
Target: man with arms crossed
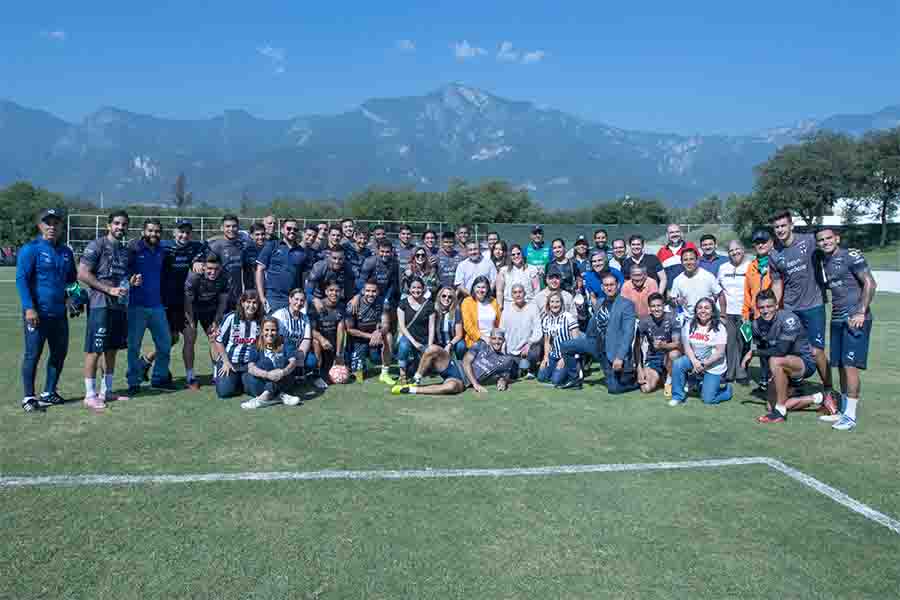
(483, 361)
(796, 280)
(103, 269)
(45, 267)
(781, 340)
(852, 289)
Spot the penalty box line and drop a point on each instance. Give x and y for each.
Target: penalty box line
(808, 481)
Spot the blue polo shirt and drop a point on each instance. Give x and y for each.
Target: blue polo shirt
(592, 282)
(146, 261)
(43, 270)
(284, 268)
(712, 264)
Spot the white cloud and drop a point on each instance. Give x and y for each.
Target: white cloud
(506, 53)
(464, 50)
(405, 45)
(533, 57)
(277, 57)
(57, 35)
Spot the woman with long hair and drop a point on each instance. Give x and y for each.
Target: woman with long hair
(421, 266)
(448, 325)
(558, 326)
(704, 338)
(415, 327)
(234, 343)
(480, 311)
(517, 272)
(270, 370)
(499, 254)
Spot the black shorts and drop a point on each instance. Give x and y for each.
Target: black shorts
(206, 318)
(175, 317)
(107, 329)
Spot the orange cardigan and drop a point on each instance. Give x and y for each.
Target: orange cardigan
(469, 310)
(753, 285)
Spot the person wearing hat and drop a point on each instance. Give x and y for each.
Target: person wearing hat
(181, 255)
(44, 269)
(580, 255)
(757, 279)
(536, 253)
(484, 361)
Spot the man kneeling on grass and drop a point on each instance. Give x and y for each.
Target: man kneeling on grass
(781, 340)
(483, 361)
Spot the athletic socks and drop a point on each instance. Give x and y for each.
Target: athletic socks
(90, 387)
(850, 409)
(818, 398)
(385, 370)
(417, 379)
(781, 409)
(189, 374)
(668, 380)
(108, 382)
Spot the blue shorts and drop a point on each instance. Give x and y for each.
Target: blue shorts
(809, 369)
(107, 329)
(813, 320)
(361, 351)
(454, 371)
(657, 363)
(850, 347)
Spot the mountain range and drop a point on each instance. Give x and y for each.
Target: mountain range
(456, 131)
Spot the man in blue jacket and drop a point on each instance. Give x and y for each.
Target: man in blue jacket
(44, 269)
(609, 337)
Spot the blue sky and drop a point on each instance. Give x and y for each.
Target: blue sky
(689, 67)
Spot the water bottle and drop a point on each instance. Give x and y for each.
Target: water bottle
(125, 285)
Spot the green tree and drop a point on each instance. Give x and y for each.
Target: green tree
(182, 197)
(707, 210)
(880, 169)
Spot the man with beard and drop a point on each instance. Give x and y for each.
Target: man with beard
(280, 267)
(230, 249)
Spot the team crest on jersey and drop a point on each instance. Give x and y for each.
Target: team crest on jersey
(791, 321)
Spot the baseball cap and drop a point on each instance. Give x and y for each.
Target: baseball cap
(181, 223)
(553, 272)
(537, 229)
(760, 236)
(50, 212)
(581, 240)
(497, 332)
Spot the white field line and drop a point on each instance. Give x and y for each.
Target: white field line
(810, 482)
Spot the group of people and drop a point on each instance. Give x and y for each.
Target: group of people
(282, 308)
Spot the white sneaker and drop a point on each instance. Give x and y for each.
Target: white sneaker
(831, 418)
(674, 402)
(319, 384)
(258, 402)
(290, 400)
(845, 424)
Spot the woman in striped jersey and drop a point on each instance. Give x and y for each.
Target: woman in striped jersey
(236, 340)
(558, 326)
(296, 324)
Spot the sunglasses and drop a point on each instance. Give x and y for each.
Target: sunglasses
(292, 229)
(420, 255)
(446, 296)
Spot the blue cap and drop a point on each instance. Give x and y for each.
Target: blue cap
(48, 213)
(182, 223)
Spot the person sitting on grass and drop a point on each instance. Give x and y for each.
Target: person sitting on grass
(448, 323)
(295, 325)
(704, 338)
(558, 327)
(663, 337)
(524, 338)
(782, 342)
(270, 371)
(369, 327)
(415, 326)
(234, 343)
(480, 311)
(484, 361)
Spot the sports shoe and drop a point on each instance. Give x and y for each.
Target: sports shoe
(194, 386)
(572, 384)
(258, 402)
(667, 391)
(845, 424)
(31, 405)
(320, 384)
(831, 418)
(167, 386)
(133, 390)
(51, 399)
(402, 389)
(94, 402)
(401, 380)
(290, 400)
(529, 375)
(112, 397)
(359, 376)
(386, 378)
(829, 403)
(772, 417)
(674, 402)
(146, 365)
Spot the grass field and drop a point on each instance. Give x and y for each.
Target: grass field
(728, 532)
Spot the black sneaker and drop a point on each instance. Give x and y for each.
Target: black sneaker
(30, 405)
(145, 368)
(167, 386)
(51, 399)
(572, 384)
(133, 390)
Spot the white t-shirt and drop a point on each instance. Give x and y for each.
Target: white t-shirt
(467, 272)
(703, 342)
(486, 318)
(526, 277)
(731, 280)
(702, 284)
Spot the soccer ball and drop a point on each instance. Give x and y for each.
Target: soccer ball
(339, 374)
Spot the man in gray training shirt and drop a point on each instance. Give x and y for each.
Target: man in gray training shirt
(796, 266)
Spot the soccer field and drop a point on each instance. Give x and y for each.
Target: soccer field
(728, 531)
